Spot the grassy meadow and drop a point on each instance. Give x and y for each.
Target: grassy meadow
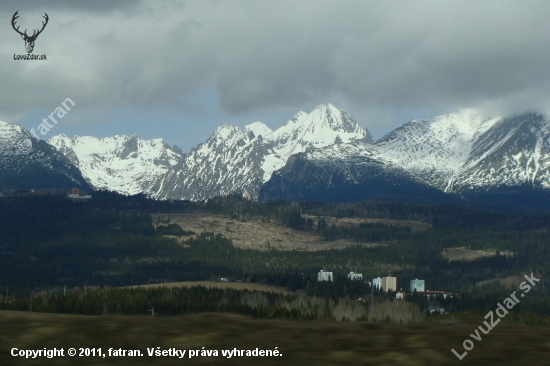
(299, 342)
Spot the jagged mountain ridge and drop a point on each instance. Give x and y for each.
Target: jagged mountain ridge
(232, 160)
(460, 153)
(26, 163)
(455, 153)
(434, 148)
(514, 152)
(343, 173)
(235, 160)
(123, 164)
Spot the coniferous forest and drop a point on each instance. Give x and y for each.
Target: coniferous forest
(48, 242)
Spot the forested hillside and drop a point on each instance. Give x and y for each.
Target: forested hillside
(111, 240)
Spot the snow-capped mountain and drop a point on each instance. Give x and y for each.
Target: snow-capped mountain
(324, 126)
(127, 165)
(435, 148)
(462, 152)
(232, 161)
(513, 152)
(459, 153)
(344, 173)
(228, 162)
(26, 163)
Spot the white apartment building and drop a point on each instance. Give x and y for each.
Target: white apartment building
(325, 276)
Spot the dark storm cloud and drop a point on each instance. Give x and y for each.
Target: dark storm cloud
(372, 56)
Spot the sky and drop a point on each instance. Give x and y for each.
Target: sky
(178, 69)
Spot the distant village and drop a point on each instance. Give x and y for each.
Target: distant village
(73, 193)
(389, 285)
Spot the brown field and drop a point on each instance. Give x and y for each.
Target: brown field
(300, 342)
(233, 285)
(464, 254)
(263, 235)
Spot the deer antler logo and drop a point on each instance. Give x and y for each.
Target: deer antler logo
(29, 40)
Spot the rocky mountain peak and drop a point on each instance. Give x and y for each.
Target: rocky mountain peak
(454, 152)
(31, 164)
(259, 129)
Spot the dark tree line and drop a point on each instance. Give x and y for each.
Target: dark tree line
(175, 301)
(111, 241)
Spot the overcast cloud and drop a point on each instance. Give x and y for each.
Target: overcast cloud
(383, 61)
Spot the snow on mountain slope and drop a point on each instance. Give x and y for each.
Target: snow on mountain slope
(433, 148)
(320, 128)
(127, 165)
(514, 152)
(239, 161)
(226, 163)
(465, 151)
(344, 173)
(461, 152)
(453, 152)
(258, 128)
(9, 136)
(324, 126)
(231, 161)
(26, 163)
